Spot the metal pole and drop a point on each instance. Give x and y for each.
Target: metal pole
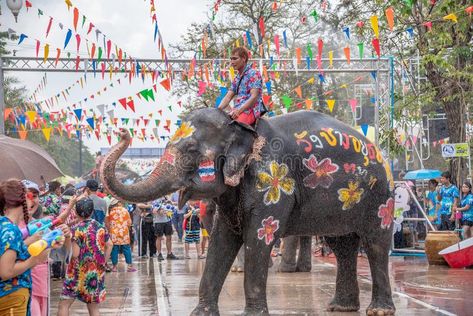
(80, 153)
(2, 100)
(376, 109)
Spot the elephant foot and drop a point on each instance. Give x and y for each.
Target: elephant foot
(344, 305)
(256, 311)
(202, 310)
(286, 267)
(303, 268)
(381, 309)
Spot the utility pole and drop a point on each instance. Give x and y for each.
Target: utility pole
(2, 100)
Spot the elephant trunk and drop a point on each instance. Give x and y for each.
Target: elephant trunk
(162, 181)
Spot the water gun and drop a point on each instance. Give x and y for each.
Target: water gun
(46, 241)
(39, 225)
(170, 209)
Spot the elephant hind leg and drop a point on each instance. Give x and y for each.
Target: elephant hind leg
(346, 297)
(377, 247)
(288, 258)
(304, 259)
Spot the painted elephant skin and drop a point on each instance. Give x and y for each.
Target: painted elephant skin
(298, 174)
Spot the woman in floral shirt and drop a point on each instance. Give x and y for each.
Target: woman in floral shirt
(247, 87)
(86, 272)
(119, 223)
(15, 261)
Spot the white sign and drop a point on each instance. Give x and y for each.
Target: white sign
(455, 150)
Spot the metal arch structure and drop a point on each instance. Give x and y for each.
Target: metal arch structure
(381, 69)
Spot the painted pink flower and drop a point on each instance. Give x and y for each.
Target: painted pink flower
(386, 213)
(321, 172)
(270, 226)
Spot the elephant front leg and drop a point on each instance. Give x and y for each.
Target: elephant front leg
(346, 297)
(223, 248)
(377, 247)
(257, 256)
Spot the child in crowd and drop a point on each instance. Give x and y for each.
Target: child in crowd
(40, 273)
(15, 261)
(192, 228)
(119, 224)
(85, 275)
(466, 210)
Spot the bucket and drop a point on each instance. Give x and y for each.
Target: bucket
(459, 255)
(437, 241)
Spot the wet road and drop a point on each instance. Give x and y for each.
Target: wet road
(171, 288)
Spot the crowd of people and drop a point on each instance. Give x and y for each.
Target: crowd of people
(448, 206)
(91, 229)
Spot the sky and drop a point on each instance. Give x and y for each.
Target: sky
(128, 24)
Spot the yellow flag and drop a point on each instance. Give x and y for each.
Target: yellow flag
(330, 104)
(311, 80)
(330, 58)
(31, 115)
(47, 133)
(452, 17)
(308, 104)
(237, 42)
(232, 73)
(111, 71)
(374, 25)
(46, 52)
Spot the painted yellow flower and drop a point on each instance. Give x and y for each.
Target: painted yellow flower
(351, 195)
(275, 182)
(185, 130)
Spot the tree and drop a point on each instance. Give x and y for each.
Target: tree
(428, 28)
(302, 26)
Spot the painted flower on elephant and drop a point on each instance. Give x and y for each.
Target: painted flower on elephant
(351, 195)
(321, 172)
(270, 226)
(185, 130)
(274, 182)
(386, 213)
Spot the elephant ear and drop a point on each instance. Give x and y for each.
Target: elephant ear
(237, 152)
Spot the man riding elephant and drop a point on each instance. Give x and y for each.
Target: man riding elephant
(299, 174)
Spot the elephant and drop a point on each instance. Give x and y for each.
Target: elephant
(298, 174)
(304, 257)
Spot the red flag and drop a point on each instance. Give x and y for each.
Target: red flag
(103, 69)
(123, 102)
(78, 42)
(76, 18)
(90, 28)
(37, 47)
(261, 26)
(49, 26)
(276, 43)
(109, 47)
(320, 46)
(77, 62)
(376, 46)
(131, 105)
(166, 83)
(92, 51)
(120, 56)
